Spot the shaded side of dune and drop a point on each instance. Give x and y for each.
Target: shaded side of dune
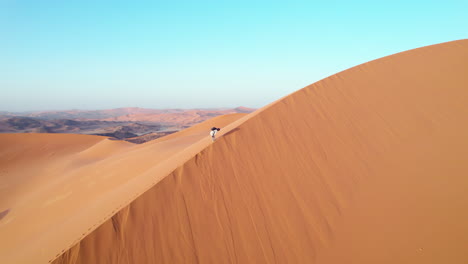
(366, 166)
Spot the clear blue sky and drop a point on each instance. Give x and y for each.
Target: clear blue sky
(186, 54)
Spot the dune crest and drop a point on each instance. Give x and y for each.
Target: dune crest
(366, 166)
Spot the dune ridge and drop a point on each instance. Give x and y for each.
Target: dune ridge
(346, 170)
(365, 166)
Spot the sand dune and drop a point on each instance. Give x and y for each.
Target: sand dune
(366, 166)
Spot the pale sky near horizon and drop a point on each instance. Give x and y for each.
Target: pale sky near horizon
(57, 55)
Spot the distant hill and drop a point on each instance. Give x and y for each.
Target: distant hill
(242, 109)
(107, 128)
(120, 123)
(131, 114)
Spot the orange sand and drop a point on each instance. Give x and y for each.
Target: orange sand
(367, 166)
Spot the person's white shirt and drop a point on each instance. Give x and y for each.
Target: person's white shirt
(213, 132)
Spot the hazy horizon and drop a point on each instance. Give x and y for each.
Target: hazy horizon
(151, 54)
(130, 107)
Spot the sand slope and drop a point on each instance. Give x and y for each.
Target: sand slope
(366, 166)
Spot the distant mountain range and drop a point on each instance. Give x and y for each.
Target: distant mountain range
(120, 123)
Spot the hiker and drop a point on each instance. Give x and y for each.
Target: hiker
(213, 132)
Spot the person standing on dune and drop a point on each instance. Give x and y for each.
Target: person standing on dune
(213, 132)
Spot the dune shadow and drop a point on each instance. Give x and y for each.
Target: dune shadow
(232, 131)
(4, 213)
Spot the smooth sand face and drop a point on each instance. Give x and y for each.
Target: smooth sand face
(366, 166)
